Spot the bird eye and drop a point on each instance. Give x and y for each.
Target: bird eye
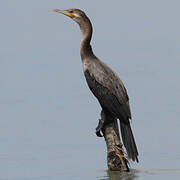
(71, 11)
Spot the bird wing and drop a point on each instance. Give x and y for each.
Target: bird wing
(109, 89)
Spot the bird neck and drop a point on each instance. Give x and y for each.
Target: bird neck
(86, 30)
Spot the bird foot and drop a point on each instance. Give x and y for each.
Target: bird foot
(99, 128)
(98, 133)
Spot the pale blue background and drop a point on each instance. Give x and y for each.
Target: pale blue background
(47, 114)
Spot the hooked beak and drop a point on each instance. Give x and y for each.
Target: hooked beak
(71, 15)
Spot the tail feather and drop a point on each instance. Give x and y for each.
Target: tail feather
(129, 142)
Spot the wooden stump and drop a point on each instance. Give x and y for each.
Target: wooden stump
(116, 160)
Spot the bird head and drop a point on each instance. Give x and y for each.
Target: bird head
(76, 14)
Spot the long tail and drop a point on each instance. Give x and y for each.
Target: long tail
(129, 142)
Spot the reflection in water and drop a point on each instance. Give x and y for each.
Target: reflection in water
(136, 174)
(114, 175)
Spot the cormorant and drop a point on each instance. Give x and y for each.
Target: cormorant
(104, 84)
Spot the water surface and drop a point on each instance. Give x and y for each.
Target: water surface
(47, 114)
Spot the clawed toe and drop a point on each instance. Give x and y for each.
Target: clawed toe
(99, 128)
(98, 133)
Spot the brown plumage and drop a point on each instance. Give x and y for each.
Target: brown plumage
(104, 84)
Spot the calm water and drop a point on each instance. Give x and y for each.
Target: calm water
(47, 123)
(47, 114)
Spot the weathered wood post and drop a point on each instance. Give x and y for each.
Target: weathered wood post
(116, 160)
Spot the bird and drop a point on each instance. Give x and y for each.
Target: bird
(104, 83)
